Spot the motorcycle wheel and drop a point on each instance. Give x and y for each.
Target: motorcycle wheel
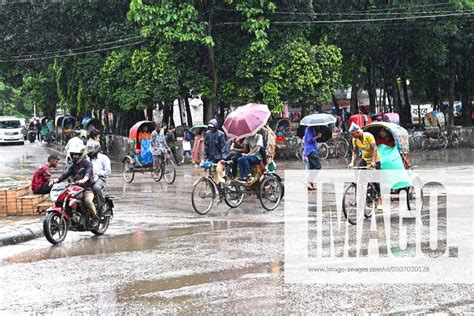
(103, 225)
(54, 229)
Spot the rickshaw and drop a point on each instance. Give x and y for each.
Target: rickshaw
(140, 159)
(433, 136)
(393, 149)
(92, 123)
(219, 181)
(360, 119)
(287, 143)
(68, 123)
(391, 118)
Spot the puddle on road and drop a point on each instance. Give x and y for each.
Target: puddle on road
(139, 240)
(182, 288)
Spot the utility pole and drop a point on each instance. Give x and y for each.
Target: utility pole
(34, 109)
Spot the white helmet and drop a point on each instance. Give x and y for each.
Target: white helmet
(77, 149)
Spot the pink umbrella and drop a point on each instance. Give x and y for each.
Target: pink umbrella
(246, 120)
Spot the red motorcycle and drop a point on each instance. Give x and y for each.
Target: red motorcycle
(70, 213)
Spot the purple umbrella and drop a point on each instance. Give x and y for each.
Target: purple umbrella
(246, 120)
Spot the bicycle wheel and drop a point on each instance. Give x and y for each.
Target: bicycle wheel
(323, 149)
(233, 194)
(203, 196)
(157, 173)
(442, 142)
(454, 141)
(333, 151)
(343, 148)
(169, 172)
(270, 193)
(411, 200)
(128, 170)
(349, 202)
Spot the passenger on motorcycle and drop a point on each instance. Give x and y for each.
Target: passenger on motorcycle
(101, 171)
(81, 172)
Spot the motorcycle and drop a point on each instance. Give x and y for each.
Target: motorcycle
(70, 213)
(31, 135)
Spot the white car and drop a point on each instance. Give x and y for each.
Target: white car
(11, 130)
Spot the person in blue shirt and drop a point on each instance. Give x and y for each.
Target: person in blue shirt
(311, 152)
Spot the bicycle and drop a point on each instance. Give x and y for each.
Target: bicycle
(166, 169)
(338, 147)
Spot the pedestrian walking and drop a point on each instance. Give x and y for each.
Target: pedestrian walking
(198, 147)
(171, 141)
(311, 152)
(187, 137)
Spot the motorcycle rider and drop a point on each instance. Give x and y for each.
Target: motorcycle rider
(101, 171)
(81, 171)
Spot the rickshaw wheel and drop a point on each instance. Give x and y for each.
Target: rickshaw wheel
(169, 172)
(128, 170)
(270, 193)
(233, 195)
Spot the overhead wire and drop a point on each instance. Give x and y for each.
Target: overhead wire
(78, 48)
(14, 59)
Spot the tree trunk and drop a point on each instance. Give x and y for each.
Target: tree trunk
(166, 113)
(452, 86)
(371, 87)
(171, 117)
(405, 117)
(181, 112)
(336, 104)
(354, 90)
(149, 112)
(188, 111)
(210, 108)
(397, 102)
(106, 122)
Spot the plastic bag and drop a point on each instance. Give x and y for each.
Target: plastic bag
(390, 159)
(146, 155)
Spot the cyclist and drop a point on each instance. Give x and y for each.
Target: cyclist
(365, 142)
(159, 148)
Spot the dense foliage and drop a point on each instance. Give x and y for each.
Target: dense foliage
(126, 57)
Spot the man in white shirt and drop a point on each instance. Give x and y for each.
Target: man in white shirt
(252, 157)
(101, 170)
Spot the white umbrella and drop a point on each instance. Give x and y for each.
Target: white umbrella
(319, 119)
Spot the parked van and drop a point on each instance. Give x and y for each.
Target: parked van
(11, 130)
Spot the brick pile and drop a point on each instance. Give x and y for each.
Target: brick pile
(19, 201)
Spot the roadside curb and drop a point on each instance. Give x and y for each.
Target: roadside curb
(21, 235)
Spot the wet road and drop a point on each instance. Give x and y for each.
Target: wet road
(160, 256)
